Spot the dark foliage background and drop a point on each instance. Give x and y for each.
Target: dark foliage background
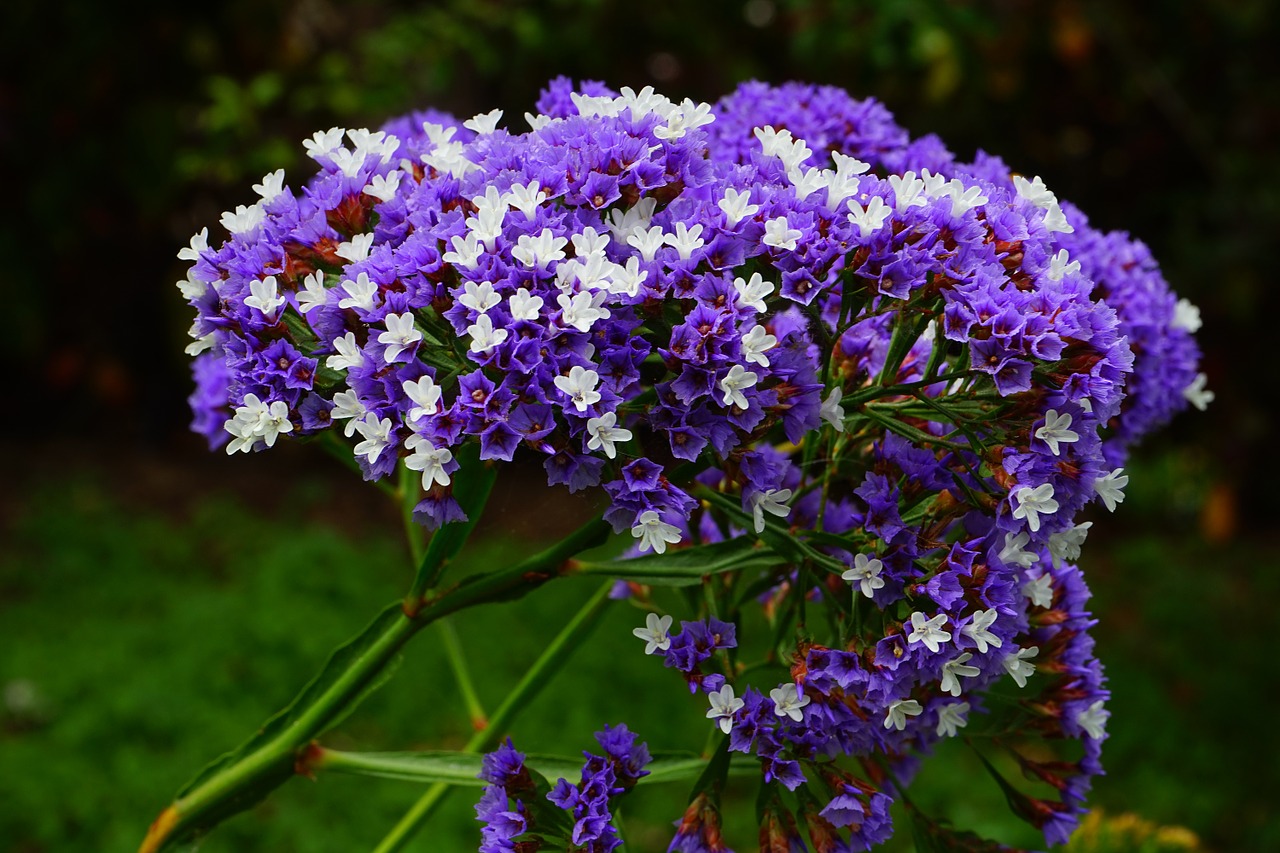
(126, 128)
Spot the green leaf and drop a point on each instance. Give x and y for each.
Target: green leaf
(717, 770)
(687, 566)
(777, 537)
(463, 769)
(244, 776)
(1019, 803)
(932, 836)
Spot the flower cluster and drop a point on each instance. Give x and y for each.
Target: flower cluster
(778, 317)
(514, 807)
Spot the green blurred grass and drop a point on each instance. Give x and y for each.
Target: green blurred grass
(139, 642)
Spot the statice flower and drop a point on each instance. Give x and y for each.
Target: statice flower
(778, 320)
(514, 805)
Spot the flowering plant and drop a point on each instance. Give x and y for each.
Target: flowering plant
(814, 368)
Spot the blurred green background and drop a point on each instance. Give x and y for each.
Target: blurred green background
(157, 602)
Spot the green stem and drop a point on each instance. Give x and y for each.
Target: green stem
(536, 678)
(458, 663)
(268, 760)
(409, 493)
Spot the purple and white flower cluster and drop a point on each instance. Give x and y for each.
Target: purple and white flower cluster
(777, 317)
(514, 806)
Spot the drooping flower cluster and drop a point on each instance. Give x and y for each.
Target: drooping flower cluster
(514, 807)
(778, 318)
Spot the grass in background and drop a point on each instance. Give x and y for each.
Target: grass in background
(140, 643)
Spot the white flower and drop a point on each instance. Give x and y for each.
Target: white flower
(1058, 266)
(951, 717)
(1018, 664)
(255, 421)
(400, 336)
(523, 305)
(870, 219)
(384, 187)
(1065, 544)
(1094, 719)
(1196, 394)
(1034, 191)
(934, 185)
(737, 206)
(623, 222)
(604, 434)
(647, 241)
(490, 213)
(483, 123)
(654, 533)
(538, 251)
(1032, 502)
(425, 394)
(964, 199)
(484, 336)
(654, 633)
(360, 293)
(478, 297)
(1038, 194)
(272, 185)
(683, 119)
(323, 142)
(428, 459)
(264, 296)
(832, 412)
(582, 310)
(845, 182)
(1057, 430)
(377, 436)
(349, 354)
(953, 669)
(754, 345)
(526, 198)
(781, 144)
(201, 342)
(466, 251)
(907, 191)
(243, 220)
(199, 243)
(1012, 553)
(751, 294)
(626, 280)
(724, 706)
(347, 405)
(772, 501)
(685, 241)
(733, 384)
(779, 234)
(772, 141)
(642, 104)
(1056, 220)
(1039, 591)
(977, 630)
(1186, 316)
(580, 387)
(446, 155)
(866, 573)
(809, 181)
(928, 631)
(787, 701)
(589, 242)
(1110, 487)
(313, 294)
(899, 710)
(356, 249)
